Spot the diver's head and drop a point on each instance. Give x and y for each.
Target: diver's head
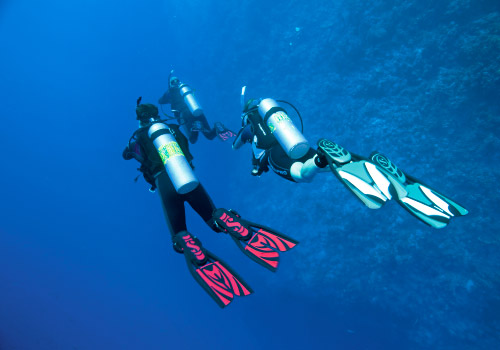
(251, 104)
(250, 107)
(174, 82)
(246, 103)
(146, 112)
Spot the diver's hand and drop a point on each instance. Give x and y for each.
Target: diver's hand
(257, 170)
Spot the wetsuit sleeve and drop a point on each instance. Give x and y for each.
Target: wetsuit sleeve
(127, 155)
(133, 151)
(244, 135)
(146, 168)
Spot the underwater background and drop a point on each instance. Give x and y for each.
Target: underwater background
(86, 260)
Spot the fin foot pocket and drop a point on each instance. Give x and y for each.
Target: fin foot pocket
(258, 242)
(191, 247)
(229, 222)
(388, 166)
(217, 278)
(334, 152)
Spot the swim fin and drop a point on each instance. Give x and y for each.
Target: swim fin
(260, 243)
(362, 177)
(222, 132)
(423, 202)
(219, 280)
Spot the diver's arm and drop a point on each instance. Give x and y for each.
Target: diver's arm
(244, 136)
(132, 151)
(126, 154)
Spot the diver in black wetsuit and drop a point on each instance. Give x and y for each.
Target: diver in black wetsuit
(188, 112)
(279, 145)
(268, 153)
(166, 164)
(154, 173)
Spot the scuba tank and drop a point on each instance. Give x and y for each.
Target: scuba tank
(289, 137)
(190, 100)
(178, 169)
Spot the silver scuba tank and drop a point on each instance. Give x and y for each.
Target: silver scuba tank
(190, 100)
(289, 137)
(178, 169)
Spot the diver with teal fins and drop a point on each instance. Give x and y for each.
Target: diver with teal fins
(277, 144)
(188, 112)
(420, 200)
(166, 164)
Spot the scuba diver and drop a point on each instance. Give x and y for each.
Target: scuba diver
(279, 145)
(166, 164)
(189, 113)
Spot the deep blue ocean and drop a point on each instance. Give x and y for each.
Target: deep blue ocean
(86, 260)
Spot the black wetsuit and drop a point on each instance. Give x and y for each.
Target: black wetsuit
(186, 118)
(281, 163)
(154, 173)
(266, 151)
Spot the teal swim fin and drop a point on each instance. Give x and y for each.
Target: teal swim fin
(359, 175)
(423, 202)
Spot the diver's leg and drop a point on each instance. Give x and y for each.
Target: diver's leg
(173, 204)
(280, 163)
(208, 132)
(217, 278)
(308, 166)
(300, 170)
(189, 126)
(187, 130)
(202, 204)
(193, 136)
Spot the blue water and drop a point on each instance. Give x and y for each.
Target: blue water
(85, 254)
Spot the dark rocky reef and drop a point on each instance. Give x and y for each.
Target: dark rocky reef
(419, 81)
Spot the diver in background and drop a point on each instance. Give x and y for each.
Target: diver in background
(189, 113)
(166, 163)
(279, 145)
